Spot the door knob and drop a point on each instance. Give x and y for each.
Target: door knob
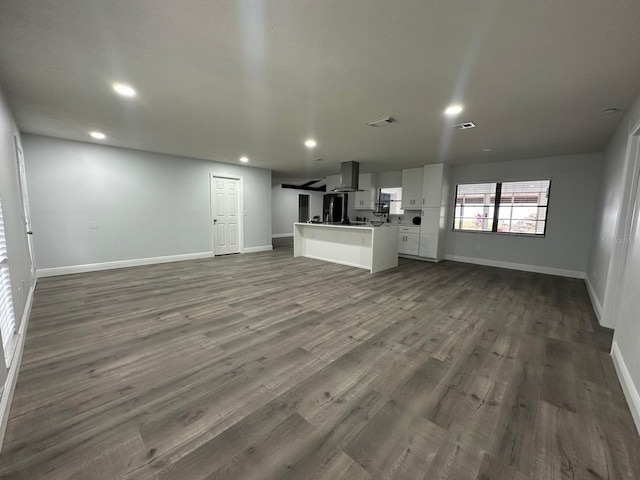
(215, 220)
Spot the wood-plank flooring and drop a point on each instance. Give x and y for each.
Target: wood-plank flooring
(262, 366)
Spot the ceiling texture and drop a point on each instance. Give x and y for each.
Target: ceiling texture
(219, 79)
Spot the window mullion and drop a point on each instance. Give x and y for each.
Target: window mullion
(496, 207)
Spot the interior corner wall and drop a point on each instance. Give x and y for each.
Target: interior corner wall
(611, 200)
(15, 233)
(284, 206)
(615, 198)
(95, 204)
(572, 207)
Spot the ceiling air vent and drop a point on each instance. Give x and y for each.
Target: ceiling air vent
(464, 126)
(379, 122)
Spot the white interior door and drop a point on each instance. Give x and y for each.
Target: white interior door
(226, 210)
(26, 215)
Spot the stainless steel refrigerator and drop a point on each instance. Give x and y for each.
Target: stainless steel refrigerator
(332, 208)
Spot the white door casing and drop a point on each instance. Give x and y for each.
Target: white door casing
(226, 214)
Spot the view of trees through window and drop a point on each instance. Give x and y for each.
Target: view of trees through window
(502, 207)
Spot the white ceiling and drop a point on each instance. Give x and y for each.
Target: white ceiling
(218, 79)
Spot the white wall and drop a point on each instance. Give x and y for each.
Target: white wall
(572, 207)
(390, 179)
(17, 250)
(17, 246)
(612, 198)
(614, 201)
(284, 208)
(145, 204)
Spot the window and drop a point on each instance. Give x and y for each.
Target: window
(502, 207)
(7, 319)
(393, 198)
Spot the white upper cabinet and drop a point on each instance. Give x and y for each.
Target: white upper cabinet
(412, 188)
(367, 199)
(433, 179)
(333, 182)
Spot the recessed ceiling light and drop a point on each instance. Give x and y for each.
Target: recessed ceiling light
(486, 149)
(98, 135)
(310, 143)
(124, 90)
(453, 110)
(244, 159)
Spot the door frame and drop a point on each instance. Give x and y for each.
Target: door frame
(617, 266)
(240, 210)
(308, 206)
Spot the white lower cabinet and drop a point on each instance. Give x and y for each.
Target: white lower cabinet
(429, 245)
(409, 240)
(431, 232)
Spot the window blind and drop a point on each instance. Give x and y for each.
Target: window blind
(7, 318)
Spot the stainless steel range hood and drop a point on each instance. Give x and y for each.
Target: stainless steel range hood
(349, 173)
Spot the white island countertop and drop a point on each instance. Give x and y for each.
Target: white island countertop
(362, 246)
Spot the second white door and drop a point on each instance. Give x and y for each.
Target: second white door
(227, 221)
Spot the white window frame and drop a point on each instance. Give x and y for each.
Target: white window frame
(492, 221)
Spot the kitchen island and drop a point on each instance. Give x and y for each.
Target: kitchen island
(369, 247)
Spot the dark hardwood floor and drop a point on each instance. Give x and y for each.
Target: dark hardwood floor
(263, 366)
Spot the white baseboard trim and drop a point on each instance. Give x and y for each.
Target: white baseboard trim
(282, 235)
(629, 389)
(517, 266)
(136, 262)
(261, 248)
(595, 301)
(14, 369)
